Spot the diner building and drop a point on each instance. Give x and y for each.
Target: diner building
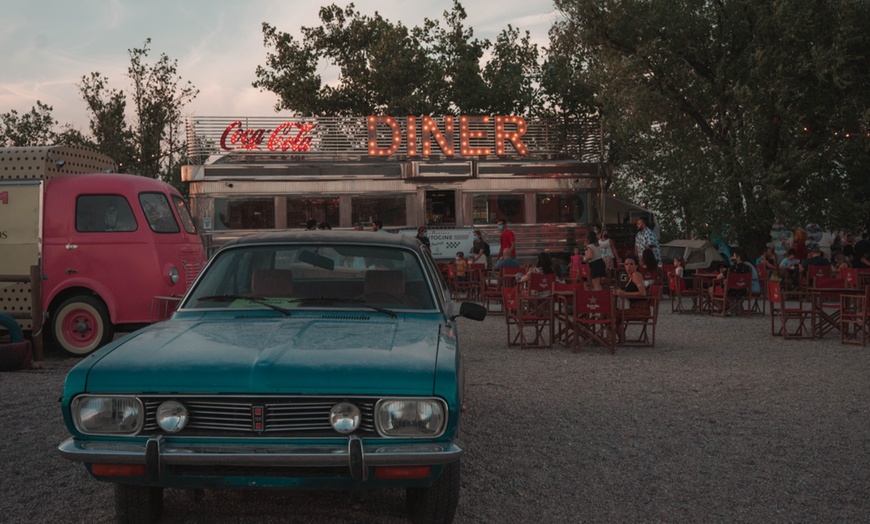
(453, 174)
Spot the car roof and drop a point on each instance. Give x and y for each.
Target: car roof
(328, 237)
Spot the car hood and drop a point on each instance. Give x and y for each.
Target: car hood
(328, 355)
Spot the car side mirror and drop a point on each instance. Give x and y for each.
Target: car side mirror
(472, 311)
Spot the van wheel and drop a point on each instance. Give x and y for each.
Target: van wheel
(81, 324)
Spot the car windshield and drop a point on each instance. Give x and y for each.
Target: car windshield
(380, 278)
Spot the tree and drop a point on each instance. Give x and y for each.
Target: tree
(154, 144)
(735, 109)
(386, 68)
(33, 128)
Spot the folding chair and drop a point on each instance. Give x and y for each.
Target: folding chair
(645, 321)
(790, 314)
(855, 318)
(732, 295)
(850, 274)
(814, 272)
(667, 272)
(593, 319)
(563, 311)
(827, 305)
(681, 291)
(528, 314)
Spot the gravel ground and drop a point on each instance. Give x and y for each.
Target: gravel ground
(721, 422)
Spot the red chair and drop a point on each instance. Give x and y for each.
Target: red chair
(732, 295)
(645, 321)
(827, 305)
(855, 318)
(593, 319)
(528, 313)
(787, 315)
(814, 272)
(681, 291)
(850, 274)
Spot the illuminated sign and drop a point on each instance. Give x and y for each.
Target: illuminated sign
(474, 135)
(289, 136)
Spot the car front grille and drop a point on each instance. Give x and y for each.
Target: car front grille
(259, 416)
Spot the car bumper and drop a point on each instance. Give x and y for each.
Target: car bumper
(160, 455)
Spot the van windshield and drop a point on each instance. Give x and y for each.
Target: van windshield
(186, 219)
(158, 213)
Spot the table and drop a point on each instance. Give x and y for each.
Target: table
(702, 281)
(826, 304)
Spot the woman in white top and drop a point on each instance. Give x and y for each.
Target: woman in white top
(597, 269)
(608, 253)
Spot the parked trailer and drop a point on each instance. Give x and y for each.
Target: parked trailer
(452, 173)
(110, 249)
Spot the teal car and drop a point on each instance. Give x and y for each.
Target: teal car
(297, 360)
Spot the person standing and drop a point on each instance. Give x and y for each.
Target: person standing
(646, 238)
(423, 237)
(480, 250)
(608, 251)
(506, 239)
(597, 267)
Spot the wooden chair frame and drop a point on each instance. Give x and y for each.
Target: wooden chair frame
(722, 304)
(855, 318)
(528, 313)
(593, 319)
(800, 314)
(646, 335)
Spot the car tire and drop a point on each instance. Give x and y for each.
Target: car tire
(437, 503)
(80, 325)
(138, 504)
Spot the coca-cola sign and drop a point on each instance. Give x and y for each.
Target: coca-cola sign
(289, 136)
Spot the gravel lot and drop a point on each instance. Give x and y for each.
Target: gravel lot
(721, 422)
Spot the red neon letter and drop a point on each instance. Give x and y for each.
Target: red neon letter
(373, 122)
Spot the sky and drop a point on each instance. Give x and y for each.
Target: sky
(47, 46)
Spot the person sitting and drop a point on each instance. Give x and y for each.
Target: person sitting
(544, 266)
(790, 265)
(815, 259)
(506, 260)
(767, 259)
(635, 291)
(838, 264)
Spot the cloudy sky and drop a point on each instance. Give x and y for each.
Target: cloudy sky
(47, 46)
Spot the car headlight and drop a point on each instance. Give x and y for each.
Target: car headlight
(344, 417)
(172, 416)
(107, 415)
(410, 417)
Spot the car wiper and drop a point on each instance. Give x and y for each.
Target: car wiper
(355, 301)
(257, 300)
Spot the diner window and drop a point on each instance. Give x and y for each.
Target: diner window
(302, 209)
(247, 213)
(390, 209)
(561, 207)
(104, 213)
(488, 209)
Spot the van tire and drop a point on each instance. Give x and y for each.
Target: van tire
(80, 325)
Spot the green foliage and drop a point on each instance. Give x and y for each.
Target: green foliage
(386, 68)
(732, 113)
(33, 128)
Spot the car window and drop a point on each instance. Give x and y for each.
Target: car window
(315, 276)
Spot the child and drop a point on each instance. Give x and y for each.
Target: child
(677, 275)
(792, 265)
(461, 266)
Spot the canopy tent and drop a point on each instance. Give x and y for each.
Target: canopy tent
(698, 254)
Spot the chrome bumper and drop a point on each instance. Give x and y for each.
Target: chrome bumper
(157, 453)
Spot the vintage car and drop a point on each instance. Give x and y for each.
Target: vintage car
(298, 360)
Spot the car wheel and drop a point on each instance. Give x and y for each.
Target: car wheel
(437, 503)
(81, 324)
(138, 504)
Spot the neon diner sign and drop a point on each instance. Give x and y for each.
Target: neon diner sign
(478, 136)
